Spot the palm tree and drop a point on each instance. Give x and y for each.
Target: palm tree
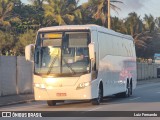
(6, 6)
(134, 27)
(61, 12)
(133, 24)
(118, 25)
(157, 24)
(149, 23)
(141, 39)
(37, 3)
(99, 9)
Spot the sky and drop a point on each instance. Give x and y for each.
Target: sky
(141, 7)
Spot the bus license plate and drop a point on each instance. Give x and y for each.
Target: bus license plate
(61, 94)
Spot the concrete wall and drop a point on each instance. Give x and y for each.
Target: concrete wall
(24, 75)
(139, 71)
(16, 75)
(8, 75)
(146, 71)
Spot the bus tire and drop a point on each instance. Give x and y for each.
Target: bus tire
(131, 88)
(51, 102)
(127, 93)
(98, 100)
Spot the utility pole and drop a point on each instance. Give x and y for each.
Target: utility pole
(109, 15)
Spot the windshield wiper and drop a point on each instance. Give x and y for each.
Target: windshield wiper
(69, 66)
(51, 66)
(54, 60)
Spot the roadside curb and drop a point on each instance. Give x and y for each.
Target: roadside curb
(18, 102)
(16, 99)
(140, 82)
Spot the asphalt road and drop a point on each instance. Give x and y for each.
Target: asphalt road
(146, 97)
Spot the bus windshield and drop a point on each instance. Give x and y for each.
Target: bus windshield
(62, 53)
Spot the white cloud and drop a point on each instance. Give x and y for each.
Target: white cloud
(141, 7)
(134, 4)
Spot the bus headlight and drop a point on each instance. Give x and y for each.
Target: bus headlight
(36, 85)
(40, 85)
(83, 85)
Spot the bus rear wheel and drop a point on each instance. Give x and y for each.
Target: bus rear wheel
(51, 102)
(128, 91)
(98, 100)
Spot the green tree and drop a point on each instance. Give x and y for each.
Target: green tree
(149, 23)
(7, 43)
(134, 24)
(157, 24)
(134, 27)
(24, 40)
(61, 12)
(37, 3)
(6, 7)
(99, 9)
(151, 28)
(30, 18)
(118, 25)
(38, 6)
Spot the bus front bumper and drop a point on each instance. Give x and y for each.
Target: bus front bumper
(63, 93)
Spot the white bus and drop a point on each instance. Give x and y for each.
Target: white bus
(82, 62)
(157, 58)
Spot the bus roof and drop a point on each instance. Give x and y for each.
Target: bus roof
(90, 27)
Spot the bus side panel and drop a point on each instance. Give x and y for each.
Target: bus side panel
(105, 67)
(116, 63)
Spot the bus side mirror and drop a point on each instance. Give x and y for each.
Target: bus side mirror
(91, 51)
(29, 52)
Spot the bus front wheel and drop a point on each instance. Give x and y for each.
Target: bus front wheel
(97, 100)
(51, 102)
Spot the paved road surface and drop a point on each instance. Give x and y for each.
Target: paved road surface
(146, 97)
